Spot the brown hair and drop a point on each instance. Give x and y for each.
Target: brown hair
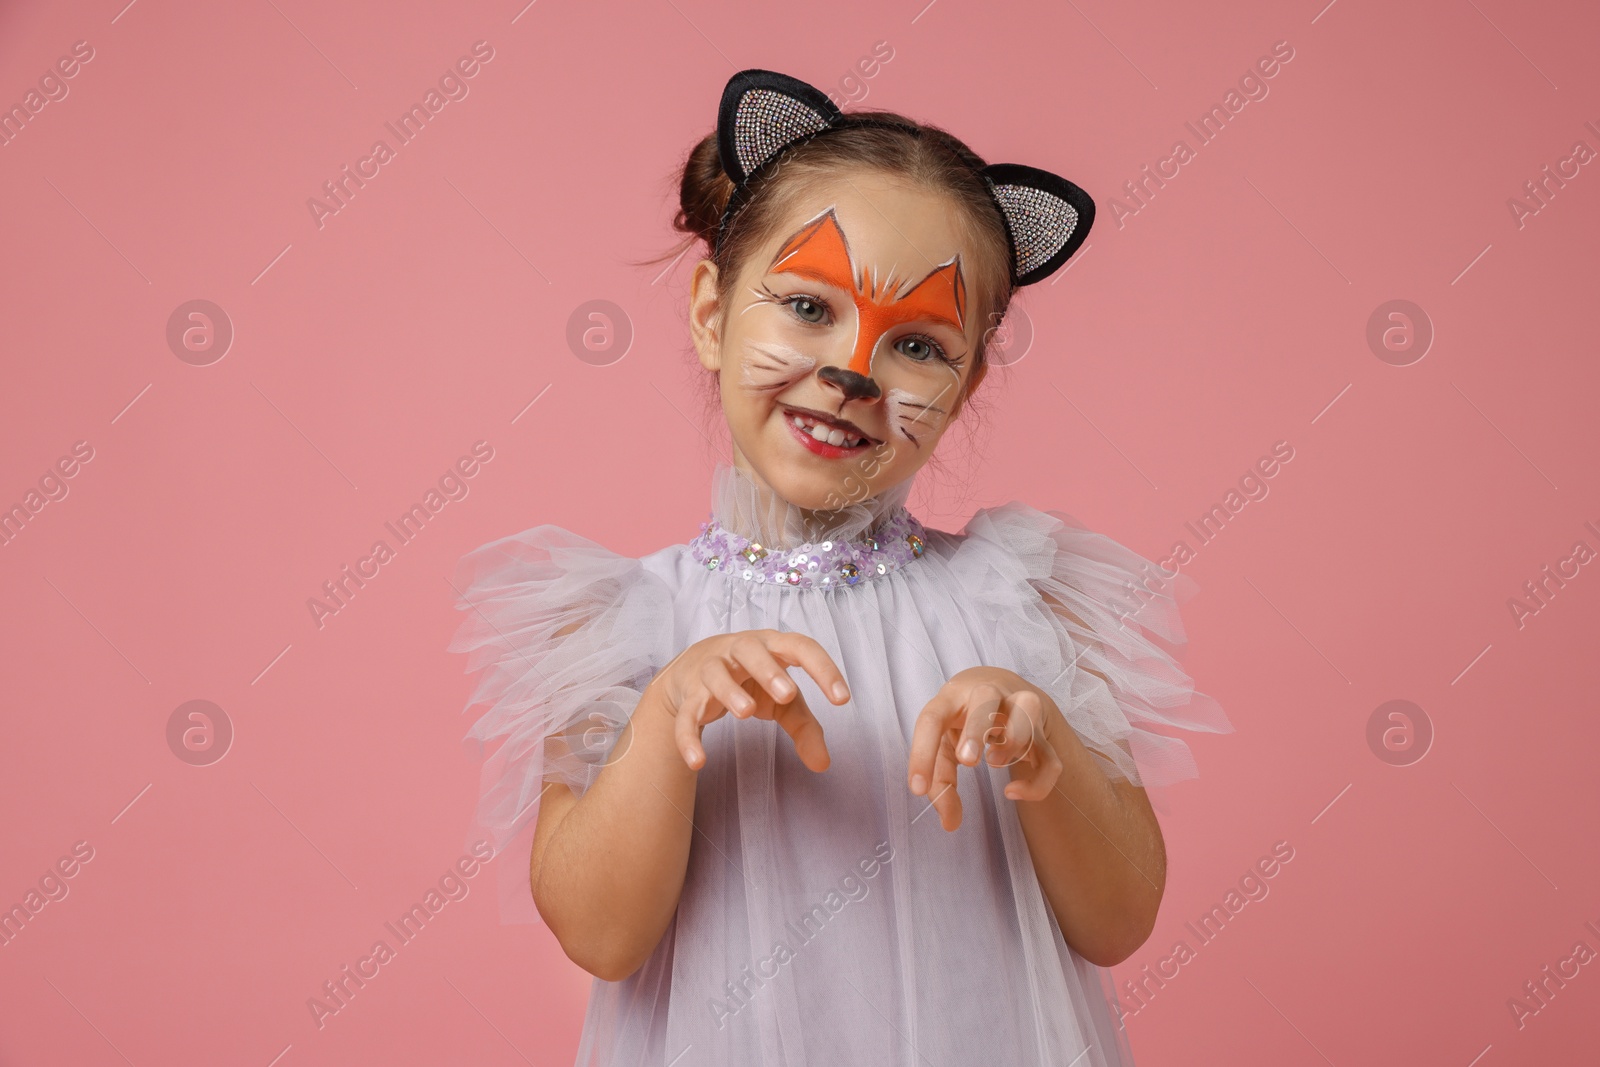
(924, 155)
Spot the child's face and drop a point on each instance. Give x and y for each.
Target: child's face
(857, 318)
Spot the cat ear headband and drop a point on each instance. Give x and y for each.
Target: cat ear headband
(763, 113)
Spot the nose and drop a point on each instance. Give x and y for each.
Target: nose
(854, 385)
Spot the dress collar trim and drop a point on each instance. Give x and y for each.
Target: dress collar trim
(825, 564)
(759, 537)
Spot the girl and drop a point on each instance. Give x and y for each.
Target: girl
(823, 786)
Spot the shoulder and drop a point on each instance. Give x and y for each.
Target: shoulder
(549, 549)
(549, 571)
(1094, 577)
(546, 543)
(566, 634)
(1081, 612)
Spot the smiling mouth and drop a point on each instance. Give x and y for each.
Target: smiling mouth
(827, 429)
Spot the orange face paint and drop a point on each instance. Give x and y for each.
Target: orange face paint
(820, 252)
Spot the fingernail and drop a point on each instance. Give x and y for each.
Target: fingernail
(969, 750)
(919, 784)
(841, 691)
(783, 687)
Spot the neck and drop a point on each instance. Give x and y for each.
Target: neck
(745, 504)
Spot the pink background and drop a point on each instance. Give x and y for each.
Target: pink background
(370, 354)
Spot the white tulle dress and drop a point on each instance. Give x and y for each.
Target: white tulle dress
(827, 918)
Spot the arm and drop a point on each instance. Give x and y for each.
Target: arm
(1094, 841)
(1097, 850)
(608, 867)
(1096, 845)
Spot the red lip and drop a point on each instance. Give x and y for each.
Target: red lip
(832, 420)
(822, 448)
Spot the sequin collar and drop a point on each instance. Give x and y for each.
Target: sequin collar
(814, 565)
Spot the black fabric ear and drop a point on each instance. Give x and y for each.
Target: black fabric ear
(763, 112)
(1047, 217)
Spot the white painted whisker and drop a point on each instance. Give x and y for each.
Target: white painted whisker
(773, 365)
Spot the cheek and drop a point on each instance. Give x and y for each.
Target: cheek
(919, 416)
(772, 365)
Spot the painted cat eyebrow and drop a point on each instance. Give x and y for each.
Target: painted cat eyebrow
(927, 316)
(833, 263)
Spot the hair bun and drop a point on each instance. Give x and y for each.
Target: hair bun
(703, 192)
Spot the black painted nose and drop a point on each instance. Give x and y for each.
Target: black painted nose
(853, 385)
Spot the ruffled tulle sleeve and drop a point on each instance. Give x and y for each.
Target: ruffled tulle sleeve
(1075, 613)
(567, 635)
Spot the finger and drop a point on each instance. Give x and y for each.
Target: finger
(802, 726)
(801, 650)
(718, 680)
(686, 732)
(751, 656)
(946, 796)
(1021, 721)
(932, 721)
(983, 715)
(1041, 766)
(1043, 771)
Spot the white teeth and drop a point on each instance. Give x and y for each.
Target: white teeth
(825, 433)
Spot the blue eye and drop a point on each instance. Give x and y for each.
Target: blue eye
(808, 309)
(926, 348)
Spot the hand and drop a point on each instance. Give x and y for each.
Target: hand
(984, 706)
(747, 673)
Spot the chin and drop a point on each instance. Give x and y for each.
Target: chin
(817, 476)
(812, 490)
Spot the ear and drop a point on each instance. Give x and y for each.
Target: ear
(1047, 218)
(705, 315)
(762, 113)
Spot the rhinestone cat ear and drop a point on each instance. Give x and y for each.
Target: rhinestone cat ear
(764, 112)
(1047, 218)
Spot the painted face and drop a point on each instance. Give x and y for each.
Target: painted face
(921, 383)
(847, 341)
(819, 252)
